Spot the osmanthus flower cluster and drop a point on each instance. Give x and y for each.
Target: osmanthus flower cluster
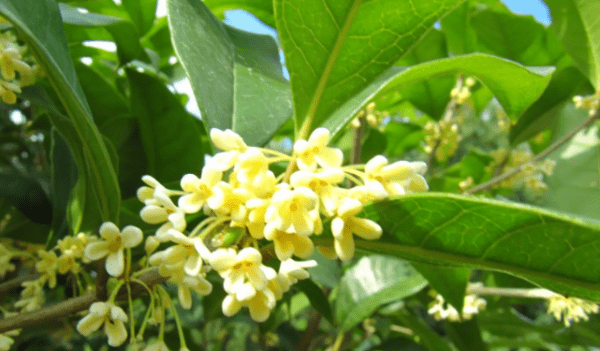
(248, 207)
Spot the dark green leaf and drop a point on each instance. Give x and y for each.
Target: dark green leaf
(317, 298)
(576, 24)
(49, 46)
(371, 283)
(428, 337)
(21, 228)
(451, 283)
(27, 195)
(336, 49)
(123, 31)
(170, 137)
(466, 335)
(235, 75)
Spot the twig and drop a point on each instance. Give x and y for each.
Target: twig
(542, 155)
(536, 293)
(74, 305)
(15, 283)
(311, 330)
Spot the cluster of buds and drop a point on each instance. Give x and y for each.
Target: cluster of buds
(442, 139)
(442, 310)
(16, 71)
(461, 94)
(590, 102)
(531, 175)
(246, 211)
(371, 115)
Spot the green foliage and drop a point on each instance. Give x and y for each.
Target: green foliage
(97, 120)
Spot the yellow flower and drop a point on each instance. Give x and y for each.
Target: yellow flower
(293, 211)
(232, 145)
(48, 266)
(399, 178)
(113, 318)
(570, 309)
(112, 245)
(315, 151)
(185, 283)
(161, 209)
(260, 305)
(323, 184)
(288, 244)
(345, 224)
(198, 190)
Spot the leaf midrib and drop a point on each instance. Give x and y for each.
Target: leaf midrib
(335, 52)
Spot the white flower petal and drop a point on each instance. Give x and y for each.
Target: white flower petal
(115, 263)
(131, 236)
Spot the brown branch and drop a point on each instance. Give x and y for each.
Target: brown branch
(542, 155)
(15, 283)
(74, 305)
(311, 330)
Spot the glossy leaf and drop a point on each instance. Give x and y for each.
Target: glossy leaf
(317, 298)
(336, 49)
(515, 86)
(465, 335)
(555, 251)
(27, 195)
(170, 137)
(371, 283)
(142, 13)
(429, 338)
(236, 76)
(49, 46)
(576, 24)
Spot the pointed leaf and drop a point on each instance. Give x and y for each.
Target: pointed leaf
(262, 9)
(466, 335)
(317, 298)
(49, 46)
(515, 86)
(371, 283)
(236, 76)
(451, 283)
(335, 49)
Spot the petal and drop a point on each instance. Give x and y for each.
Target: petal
(131, 236)
(96, 250)
(337, 227)
(193, 265)
(319, 137)
(117, 314)
(245, 292)
(153, 214)
(109, 231)
(115, 263)
(344, 247)
(223, 259)
(185, 297)
(366, 228)
(249, 254)
(89, 324)
(116, 332)
(284, 249)
(190, 203)
(230, 306)
(100, 309)
(330, 157)
(303, 246)
(375, 164)
(189, 183)
(418, 183)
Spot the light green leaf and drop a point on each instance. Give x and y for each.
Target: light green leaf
(236, 76)
(142, 13)
(336, 49)
(169, 134)
(577, 26)
(515, 86)
(263, 9)
(371, 283)
(556, 251)
(48, 44)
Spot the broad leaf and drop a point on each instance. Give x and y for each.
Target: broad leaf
(466, 335)
(27, 195)
(49, 46)
(335, 49)
(236, 76)
(371, 283)
(142, 13)
(576, 24)
(317, 298)
(169, 134)
(556, 251)
(515, 86)
(451, 283)
(429, 338)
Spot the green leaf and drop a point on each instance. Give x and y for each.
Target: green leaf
(539, 116)
(428, 337)
(48, 44)
(336, 49)
(576, 24)
(123, 31)
(459, 34)
(169, 134)
(451, 283)
(555, 251)
(432, 95)
(262, 9)
(371, 283)
(142, 13)
(317, 298)
(466, 335)
(19, 227)
(27, 195)
(515, 86)
(236, 76)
